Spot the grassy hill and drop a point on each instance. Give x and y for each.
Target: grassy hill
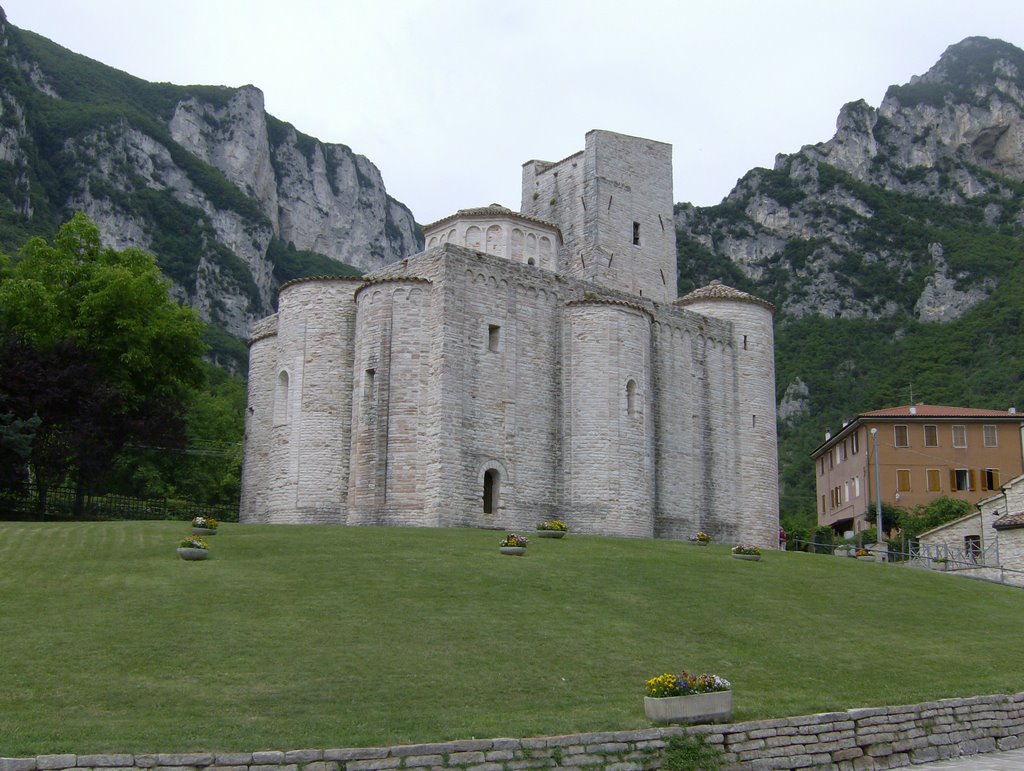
(292, 637)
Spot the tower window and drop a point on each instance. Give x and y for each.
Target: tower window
(631, 397)
(368, 381)
(493, 338)
(636, 234)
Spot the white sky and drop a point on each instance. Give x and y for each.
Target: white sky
(449, 97)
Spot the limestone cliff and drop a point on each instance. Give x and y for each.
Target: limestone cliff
(900, 212)
(231, 200)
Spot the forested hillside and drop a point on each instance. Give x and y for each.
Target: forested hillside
(893, 252)
(231, 200)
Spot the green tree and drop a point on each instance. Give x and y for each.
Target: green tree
(106, 314)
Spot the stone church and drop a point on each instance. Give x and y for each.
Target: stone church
(527, 365)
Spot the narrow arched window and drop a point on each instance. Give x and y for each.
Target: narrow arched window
(492, 490)
(631, 397)
(281, 398)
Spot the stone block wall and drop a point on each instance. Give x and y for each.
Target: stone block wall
(853, 740)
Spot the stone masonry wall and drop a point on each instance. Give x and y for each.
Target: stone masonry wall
(853, 740)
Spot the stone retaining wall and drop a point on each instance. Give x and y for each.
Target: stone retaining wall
(854, 740)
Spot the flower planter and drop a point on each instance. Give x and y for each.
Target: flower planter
(700, 543)
(748, 557)
(514, 550)
(869, 558)
(713, 707)
(550, 533)
(192, 554)
(204, 531)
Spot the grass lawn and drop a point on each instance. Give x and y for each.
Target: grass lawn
(301, 636)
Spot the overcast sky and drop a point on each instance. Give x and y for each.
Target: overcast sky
(449, 97)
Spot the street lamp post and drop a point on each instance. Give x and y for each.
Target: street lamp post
(878, 488)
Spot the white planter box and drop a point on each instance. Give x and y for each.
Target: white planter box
(713, 707)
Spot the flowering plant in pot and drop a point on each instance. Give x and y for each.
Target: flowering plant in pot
(552, 528)
(750, 551)
(193, 548)
(686, 698)
(204, 525)
(553, 524)
(514, 541)
(701, 537)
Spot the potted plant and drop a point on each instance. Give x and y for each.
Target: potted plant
(745, 552)
(686, 698)
(204, 525)
(193, 548)
(513, 544)
(701, 538)
(865, 555)
(552, 528)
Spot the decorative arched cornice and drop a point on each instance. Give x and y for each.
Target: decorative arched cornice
(621, 303)
(392, 280)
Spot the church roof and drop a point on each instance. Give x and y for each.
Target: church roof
(489, 212)
(716, 290)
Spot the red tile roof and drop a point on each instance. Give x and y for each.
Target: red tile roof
(1009, 522)
(939, 411)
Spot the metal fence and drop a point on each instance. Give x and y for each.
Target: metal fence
(60, 505)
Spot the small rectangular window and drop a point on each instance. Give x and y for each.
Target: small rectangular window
(903, 480)
(961, 479)
(842, 451)
(854, 443)
(368, 380)
(972, 547)
(900, 438)
(493, 338)
(846, 492)
(991, 438)
(931, 436)
(856, 487)
(636, 234)
(959, 436)
(934, 481)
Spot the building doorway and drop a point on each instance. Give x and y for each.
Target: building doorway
(492, 490)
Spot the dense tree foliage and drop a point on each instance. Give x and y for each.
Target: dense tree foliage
(94, 350)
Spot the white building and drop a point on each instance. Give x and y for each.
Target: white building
(526, 366)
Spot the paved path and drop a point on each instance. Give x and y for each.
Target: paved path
(990, 761)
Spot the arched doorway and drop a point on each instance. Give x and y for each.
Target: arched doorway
(492, 490)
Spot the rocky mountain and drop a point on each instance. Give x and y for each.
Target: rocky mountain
(232, 200)
(885, 249)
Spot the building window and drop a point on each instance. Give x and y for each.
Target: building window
(990, 479)
(492, 490)
(900, 436)
(846, 492)
(842, 451)
(636, 234)
(856, 487)
(369, 379)
(961, 479)
(959, 436)
(854, 443)
(991, 439)
(931, 436)
(493, 338)
(903, 480)
(281, 398)
(934, 480)
(832, 458)
(822, 504)
(821, 465)
(972, 547)
(631, 397)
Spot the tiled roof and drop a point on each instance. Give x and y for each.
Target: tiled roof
(494, 210)
(938, 411)
(1009, 521)
(716, 290)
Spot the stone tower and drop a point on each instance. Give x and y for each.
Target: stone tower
(613, 204)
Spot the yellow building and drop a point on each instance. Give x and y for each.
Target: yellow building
(925, 451)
